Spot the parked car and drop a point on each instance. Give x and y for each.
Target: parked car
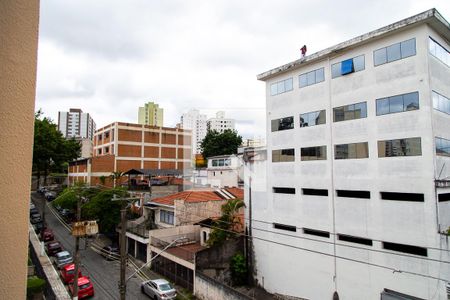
(32, 205)
(85, 288)
(47, 235)
(35, 218)
(33, 211)
(110, 252)
(38, 227)
(63, 258)
(68, 273)
(158, 289)
(53, 247)
(42, 190)
(50, 195)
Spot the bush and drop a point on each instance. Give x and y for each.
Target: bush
(238, 269)
(35, 285)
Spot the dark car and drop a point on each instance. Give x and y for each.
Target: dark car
(47, 235)
(33, 211)
(110, 252)
(35, 218)
(38, 227)
(53, 247)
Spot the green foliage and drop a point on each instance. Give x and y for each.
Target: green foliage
(225, 226)
(67, 199)
(238, 269)
(216, 143)
(51, 151)
(35, 285)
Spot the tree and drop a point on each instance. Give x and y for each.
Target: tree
(225, 227)
(216, 143)
(115, 176)
(51, 151)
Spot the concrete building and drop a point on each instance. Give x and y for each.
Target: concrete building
(151, 114)
(124, 146)
(19, 24)
(220, 123)
(358, 168)
(196, 122)
(76, 124)
(225, 171)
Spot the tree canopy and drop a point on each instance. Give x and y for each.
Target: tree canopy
(51, 151)
(226, 226)
(216, 143)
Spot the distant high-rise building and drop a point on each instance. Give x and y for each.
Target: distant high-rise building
(196, 122)
(76, 123)
(151, 114)
(220, 123)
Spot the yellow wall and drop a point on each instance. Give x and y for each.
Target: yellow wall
(18, 55)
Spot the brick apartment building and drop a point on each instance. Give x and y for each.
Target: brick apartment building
(124, 146)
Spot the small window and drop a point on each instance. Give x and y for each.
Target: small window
(314, 153)
(311, 78)
(400, 147)
(351, 151)
(350, 112)
(441, 103)
(284, 227)
(282, 124)
(315, 192)
(405, 248)
(354, 239)
(348, 66)
(281, 87)
(283, 190)
(316, 232)
(413, 197)
(398, 103)
(353, 194)
(439, 52)
(394, 52)
(312, 118)
(444, 197)
(283, 155)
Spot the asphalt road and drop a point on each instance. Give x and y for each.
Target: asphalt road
(104, 274)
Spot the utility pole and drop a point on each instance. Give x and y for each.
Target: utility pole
(77, 251)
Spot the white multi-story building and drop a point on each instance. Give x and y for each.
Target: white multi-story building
(225, 171)
(75, 123)
(220, 123)
(196, 122)
(358, 145)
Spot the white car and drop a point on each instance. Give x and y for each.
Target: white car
(158, 289)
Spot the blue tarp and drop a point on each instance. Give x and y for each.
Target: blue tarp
(347, 67)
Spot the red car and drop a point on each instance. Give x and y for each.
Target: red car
(68, 273)
(53, 247)
(85, 288)
(47, 235)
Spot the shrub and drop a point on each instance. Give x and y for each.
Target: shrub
(238, 269)
(35, 285)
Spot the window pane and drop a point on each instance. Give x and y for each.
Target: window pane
(360, 110)
(273, 89)
(338, 113)
(311, 78)
(321, 118)
(336, 70)
(347, 67)
(303, 120)
(411, 101)
(322, 152)
(432, 47)
(288, 85)
(379, 57)
(439, 146)
(381, 148)
(349, 112)
(395, 104)
(382, 106)
(408, 48)
(413, 147)
(341, 151)
(283, 155)
(393, 52)
(280, 87)
(320, 75)
(435, 100)
(302, 80)
(358, 63)
(351, 150)
(362, 150)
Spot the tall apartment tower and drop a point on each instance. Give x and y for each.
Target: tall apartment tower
(77, 124)
(220, 123)
(196, 122)
(358, 168)
(151, 114)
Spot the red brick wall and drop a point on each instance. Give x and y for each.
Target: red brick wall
(184, 153)
(168, 152)
(151, 137)
(151, 152)
(125, 165)
(130, 135)
(103, 163)
(168, 139)
(167, 165)
(150, 165)
(129, 151)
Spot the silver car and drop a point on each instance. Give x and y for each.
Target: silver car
(158, 289)
(63, 258)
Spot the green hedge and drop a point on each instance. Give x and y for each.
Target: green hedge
(35, 285)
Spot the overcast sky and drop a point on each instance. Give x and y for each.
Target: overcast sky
(110, 57)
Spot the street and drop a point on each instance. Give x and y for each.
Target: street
(103, 274)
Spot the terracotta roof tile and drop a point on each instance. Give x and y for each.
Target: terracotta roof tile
(237, 192)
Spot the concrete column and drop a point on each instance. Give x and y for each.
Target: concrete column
(18, 56)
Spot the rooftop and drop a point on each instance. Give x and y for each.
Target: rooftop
(431, 17)
(206, 195)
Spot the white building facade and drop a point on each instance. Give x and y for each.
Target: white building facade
(358, 168)
(196, 122)
(225, 171)
(77, 124)
(220, 123)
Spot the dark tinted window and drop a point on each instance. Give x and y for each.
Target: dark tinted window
(353, 194)
(282, 124)
(284, 227)
(398, 103)
(354, 239)
(283, 155)
(351, 151)
(350, 112)
(405, 248)
(314, 153)
(283, 190)
(315, 192)
(414, 197)
(316, 232)
(400, 147)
